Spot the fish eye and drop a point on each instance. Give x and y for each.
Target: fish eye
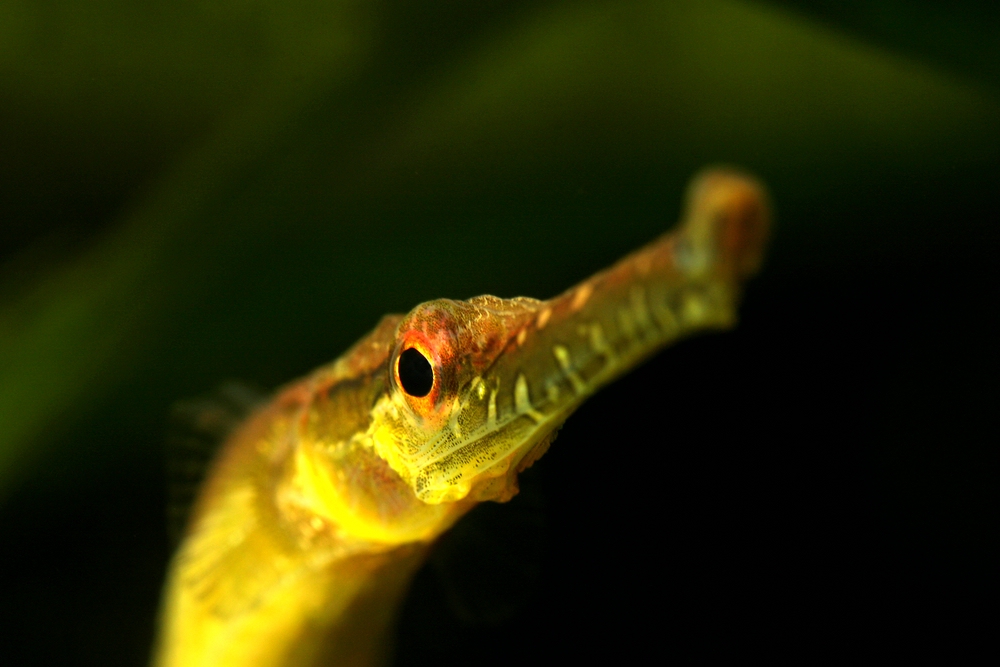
(415, 372)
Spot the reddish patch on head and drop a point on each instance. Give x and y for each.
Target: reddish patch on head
(460, 339)
(430, 331)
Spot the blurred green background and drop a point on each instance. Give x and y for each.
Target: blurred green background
(192, 192)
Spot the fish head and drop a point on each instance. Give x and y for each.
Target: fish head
(448, 422)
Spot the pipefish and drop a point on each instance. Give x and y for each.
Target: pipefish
(321, 506)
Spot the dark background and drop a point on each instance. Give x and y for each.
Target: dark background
(194, 192)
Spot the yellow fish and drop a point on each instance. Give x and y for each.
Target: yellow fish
(322, 505)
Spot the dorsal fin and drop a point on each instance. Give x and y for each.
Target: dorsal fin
(196, 430)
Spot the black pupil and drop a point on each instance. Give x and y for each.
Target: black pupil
(415, 373)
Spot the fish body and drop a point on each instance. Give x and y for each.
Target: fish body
(322, 505)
